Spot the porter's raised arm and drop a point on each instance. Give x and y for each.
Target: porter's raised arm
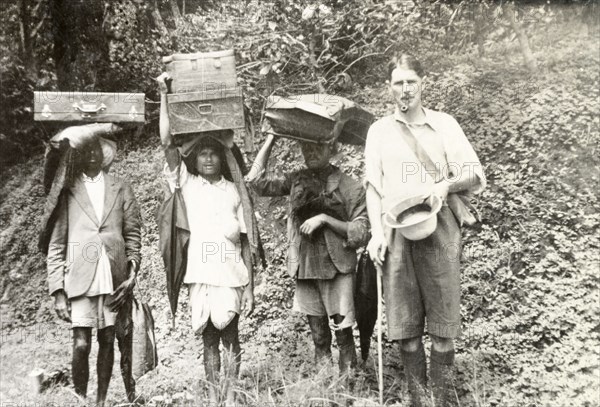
(260, 163)
(171, 153)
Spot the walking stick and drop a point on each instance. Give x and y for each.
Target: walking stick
(379, 345)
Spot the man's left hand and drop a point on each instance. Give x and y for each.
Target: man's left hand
(248, 301)
(312, 224)
(123, 291)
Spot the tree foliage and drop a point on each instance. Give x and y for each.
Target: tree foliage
(529, 270)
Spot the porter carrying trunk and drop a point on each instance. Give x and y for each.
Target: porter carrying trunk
(205, 111)
(89, 107)
(201, 71)
(204, 95)
(318, 118)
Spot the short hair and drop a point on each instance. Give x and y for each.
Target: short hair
(405, 61)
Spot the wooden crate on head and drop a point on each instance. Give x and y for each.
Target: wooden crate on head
(204, 95)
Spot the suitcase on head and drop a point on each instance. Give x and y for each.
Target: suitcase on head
(318, 118)
(195, 112)
(90, 107)
(201, 71)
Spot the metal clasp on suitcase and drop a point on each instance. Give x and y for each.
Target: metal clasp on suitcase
(205, 108)
(88, 109)
(46, 112)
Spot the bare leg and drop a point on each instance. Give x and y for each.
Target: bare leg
(104, 364)
(231, 342)
(211, 337)
(125, 349)
(345, 342)
(321, 334)
(80, 370)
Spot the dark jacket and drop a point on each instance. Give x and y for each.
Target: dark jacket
(343, 189)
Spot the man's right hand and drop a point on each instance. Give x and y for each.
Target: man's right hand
(162, 80)
(377, 249)
(62, 306)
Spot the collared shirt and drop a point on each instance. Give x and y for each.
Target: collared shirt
(216, 219)
(102, 282)
(393, 169)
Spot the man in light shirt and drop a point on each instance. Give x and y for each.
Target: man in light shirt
(219, 264)
(420, 152)
(93, 258)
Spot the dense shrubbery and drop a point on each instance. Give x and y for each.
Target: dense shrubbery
(282, 47)
(529, 275)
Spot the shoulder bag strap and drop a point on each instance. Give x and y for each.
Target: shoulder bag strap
(464, 211)
(416, 147)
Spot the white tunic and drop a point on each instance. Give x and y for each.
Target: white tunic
(215, 216)
(215, 271)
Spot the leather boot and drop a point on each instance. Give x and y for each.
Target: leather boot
(321, 334)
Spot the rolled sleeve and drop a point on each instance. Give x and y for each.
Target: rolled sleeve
(356, 208)
(358, 232)
(462, 156)
(373, 167)
(271, 184)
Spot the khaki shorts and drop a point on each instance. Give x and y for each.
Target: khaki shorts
(92, 312)
(421, 281)
(326, 297)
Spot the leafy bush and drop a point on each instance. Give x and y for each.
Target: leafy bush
(529, 273)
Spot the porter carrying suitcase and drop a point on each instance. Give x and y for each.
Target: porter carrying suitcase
(90, 107)
(205, 111)
(318, 118)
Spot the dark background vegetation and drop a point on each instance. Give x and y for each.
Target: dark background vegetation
(521, 78)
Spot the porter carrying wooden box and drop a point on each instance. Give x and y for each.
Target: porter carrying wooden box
(204, 93)
(90, 107)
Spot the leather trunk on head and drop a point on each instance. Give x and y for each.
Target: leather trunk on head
(206, 111)
(201, 71)
(89, 107)
(318, 118)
